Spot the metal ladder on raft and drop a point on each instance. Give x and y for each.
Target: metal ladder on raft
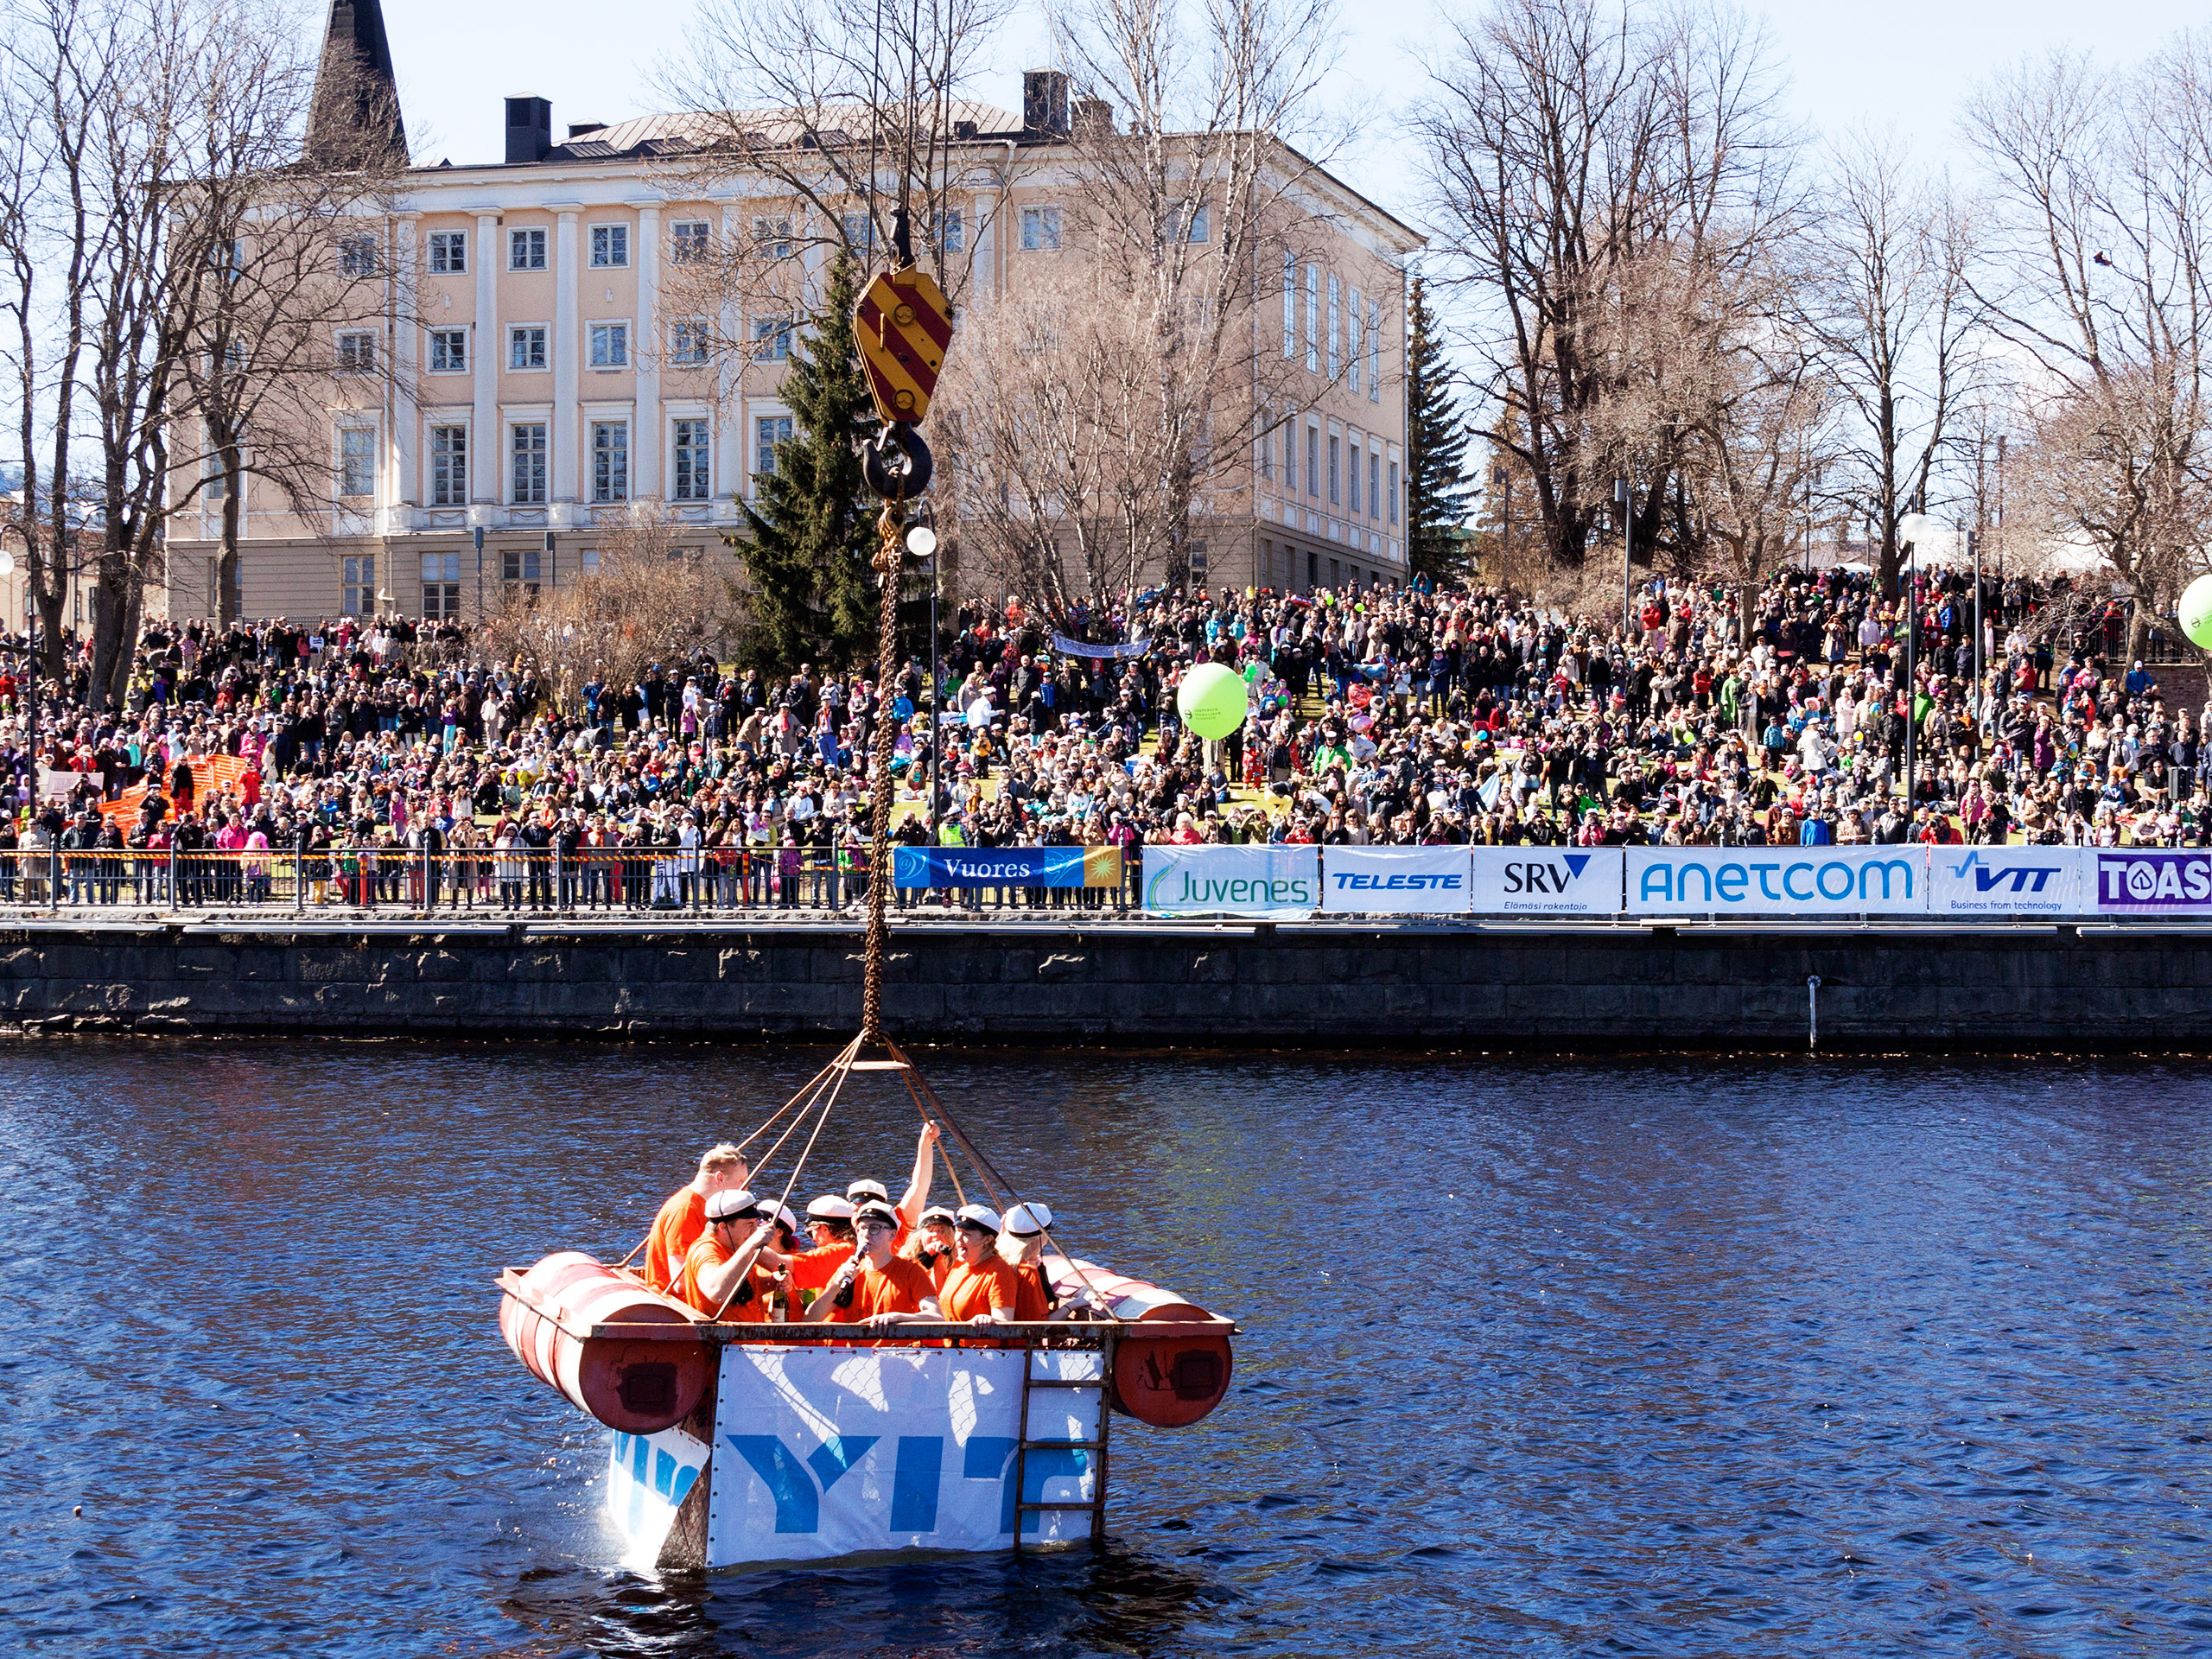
(1023, 1507)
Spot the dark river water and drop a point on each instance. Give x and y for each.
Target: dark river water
(1682, 1358)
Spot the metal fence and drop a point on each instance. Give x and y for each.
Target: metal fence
(604, 882)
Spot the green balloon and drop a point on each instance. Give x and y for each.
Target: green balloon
(1212, 699)
(2197, 611)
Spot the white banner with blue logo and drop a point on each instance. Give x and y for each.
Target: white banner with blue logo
(1778, 881)
(648, 1478)
(1394, 881)
(2006, 882)
(1546, 881)
(835, 1452)
(1283, 882)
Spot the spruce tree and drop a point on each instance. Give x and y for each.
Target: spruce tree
(1436, 449)
(813, 537)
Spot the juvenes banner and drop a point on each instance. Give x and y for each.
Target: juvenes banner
(1272, 882)
(1006, 866)
(1394, 881)
(1778, 881)
(1546, 881)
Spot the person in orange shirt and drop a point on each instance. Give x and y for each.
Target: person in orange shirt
(983, 1288)
(933, 1245)
(918, 1182)
(830, 1225)
(875, 1287)
(717, 1275)
(683, 1215)
(1023, 1239)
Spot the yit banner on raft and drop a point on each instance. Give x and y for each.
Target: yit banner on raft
(1273, 882)
(1778, 881)
(2005, 881)
(648, 1478)
(2136, 881)
(1006, 866)
(1395, 880)
(1546, 881)
(830, 1452)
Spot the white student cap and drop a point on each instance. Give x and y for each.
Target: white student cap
(1028, 1220)
(974, 1215)
(829, 1209)
(725, 1206)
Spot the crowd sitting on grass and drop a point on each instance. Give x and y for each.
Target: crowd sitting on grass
(1405, 715)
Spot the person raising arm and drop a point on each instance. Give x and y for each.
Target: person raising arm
(874, 1285)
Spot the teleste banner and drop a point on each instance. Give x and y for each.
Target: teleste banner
(1395, 880)
(1546, 881)
(1276, 882)
(1778, 881)
(828, 1452)
(2006, 882)
(2147, 880)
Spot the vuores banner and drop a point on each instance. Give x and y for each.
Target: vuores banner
(1274, 882)
(1546, 882)
(2148, 881)
(2005, 881)
(1006, 866)
(1394, 881)
(1778, 881)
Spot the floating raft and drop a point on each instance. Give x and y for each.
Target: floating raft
(741, 1444)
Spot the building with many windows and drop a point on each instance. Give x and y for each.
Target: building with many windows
(534, 382)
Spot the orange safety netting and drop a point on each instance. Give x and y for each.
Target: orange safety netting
(210, 773)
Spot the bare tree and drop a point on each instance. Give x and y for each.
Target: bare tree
(1571, 152)
(1892, 300)
(2105, 182)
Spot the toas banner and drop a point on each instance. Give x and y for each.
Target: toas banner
(1006, 866)
(1545, 880)
(1394, 881)
(2005, 881)
(1274, 882)
(2147, 880)
(1778, 881)
(831, 1451)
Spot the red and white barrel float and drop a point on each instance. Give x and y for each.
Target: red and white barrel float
(639, 1385)
(1169, 1380)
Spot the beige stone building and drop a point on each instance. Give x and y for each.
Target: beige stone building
(529, 387)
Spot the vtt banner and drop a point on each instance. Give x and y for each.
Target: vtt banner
(1394, 881)
(1273, 882)
(2147, 881)
(1006, 866)
(1778, 881)
(827, 1451)
(2005, 881)
(1547, 881)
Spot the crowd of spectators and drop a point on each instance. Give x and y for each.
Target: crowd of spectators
(1405, 715)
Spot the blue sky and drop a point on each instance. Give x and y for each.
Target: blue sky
(1905, 63)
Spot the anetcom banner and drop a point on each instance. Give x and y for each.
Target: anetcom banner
(1547, 881)
(1778, 881)
(2147, 881)
(2006, 882)
(826, 1452)
(1394, 881)
(1279, 883)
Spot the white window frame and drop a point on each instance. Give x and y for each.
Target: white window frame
(1312, 319)
(695, 332)
(444, 340)
(1394, 491)
(764, 455)
(702, 479)
(452, 248)
(1355, 339)
(601, 340)
(690, 241)
(1335, 326)
(357, 585)
(1374, 351)
(373, 458)
(357, 351)
(532, 237)
(772, 236)
(452, 490)
(446, 581)
(357, 256)
(949, 234)
(1353, 491)
(543, 329)
(1041, 227)
(777, 332)
(612, 490)
(1289, 304)
(542, 425)
(604, 241)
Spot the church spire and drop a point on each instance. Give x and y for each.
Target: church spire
(354, 119)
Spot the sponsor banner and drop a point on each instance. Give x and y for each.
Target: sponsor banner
(2005, 881)
(648, 1478)
(1778, 881)
(1547, 881)
(1278, 882)
(2147, 880)
(832, 1452)
(1068, 647)
(1006, 866)
(1395, 880)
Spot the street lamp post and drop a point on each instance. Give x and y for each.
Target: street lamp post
(921, 543)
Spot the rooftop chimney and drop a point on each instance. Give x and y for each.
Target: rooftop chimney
(1043, 104)
(1094, 117)
(530, 129)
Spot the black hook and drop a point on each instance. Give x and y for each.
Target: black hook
(900, 476)
(902, 237)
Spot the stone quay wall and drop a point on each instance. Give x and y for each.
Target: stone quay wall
(1528, 987)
